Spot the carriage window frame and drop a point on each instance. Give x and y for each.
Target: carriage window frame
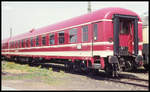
(73, 35)
(85, 33)
(51, 38)
(61, 37)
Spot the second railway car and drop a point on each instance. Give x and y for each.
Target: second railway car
(109, 39)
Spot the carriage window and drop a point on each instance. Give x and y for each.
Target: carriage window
(19, 44)
(85, 33)
(43, 40)
(10, 43)
(31, 41)
(73, 35)
(15, 44)
(22, 43)
(95, 28)
(124, 27)
(5, 45)
(51, 39)
(37, 41)
(61, 37)
(27, 43)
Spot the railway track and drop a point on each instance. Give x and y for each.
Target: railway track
(126, 78)
(132, 81)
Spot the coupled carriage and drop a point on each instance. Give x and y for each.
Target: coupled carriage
(109, 39)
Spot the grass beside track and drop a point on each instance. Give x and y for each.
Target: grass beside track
(16, 71)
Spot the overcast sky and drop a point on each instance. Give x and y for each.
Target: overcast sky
(24, 16)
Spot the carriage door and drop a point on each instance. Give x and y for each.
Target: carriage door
(125, 35)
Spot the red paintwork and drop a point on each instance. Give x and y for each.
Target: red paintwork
(105, 31)
(5, 42)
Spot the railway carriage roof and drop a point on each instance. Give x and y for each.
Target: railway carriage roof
(105, 13)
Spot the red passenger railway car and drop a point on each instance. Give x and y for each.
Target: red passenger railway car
(109, 39)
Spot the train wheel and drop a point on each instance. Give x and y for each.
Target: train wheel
(70, 67)
(108, 70)
(31, 62)
(67, 67)
(83, 67)
(112, 70)
(74, 68)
